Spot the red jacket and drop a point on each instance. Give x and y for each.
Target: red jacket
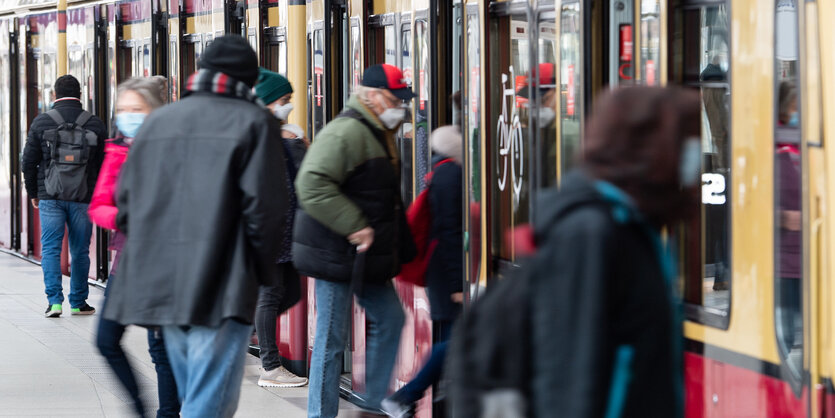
(102, 208)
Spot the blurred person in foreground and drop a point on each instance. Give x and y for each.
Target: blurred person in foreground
(198, 201)
(276, 92)
(136, 98)
(445, 271)
(349, 193)
(606, 329)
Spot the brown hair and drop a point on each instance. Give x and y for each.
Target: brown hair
(634, 139)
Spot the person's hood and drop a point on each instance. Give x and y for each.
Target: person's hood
(576, 190)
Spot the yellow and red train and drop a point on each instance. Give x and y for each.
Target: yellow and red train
(524, 73)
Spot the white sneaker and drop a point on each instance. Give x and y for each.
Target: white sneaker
(280, 378)
(396, 409)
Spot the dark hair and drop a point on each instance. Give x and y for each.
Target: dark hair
(634, 140)
(67, 86)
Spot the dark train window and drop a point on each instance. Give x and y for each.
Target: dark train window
(356, 56)
(406, 133)
(788, 186)
(471, 106)
(547, 99)
(508, 142)
(701, 35)
(421, 81)
(571, 84)
(318, 99)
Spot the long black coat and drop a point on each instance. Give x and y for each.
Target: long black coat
(200, 199)
(603, 319)
(36, 155)
(445, 272)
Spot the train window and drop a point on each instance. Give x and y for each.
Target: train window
(75, 56)
(509, 67)
(571, 84)
(391, 45)
(650, 41)
(318, 99)
(282, 58)
(146, 59)
(423, 154)
(788, 186)
(471, 105)
(172, 70)
(356, 56)
(702, 37)
(406, 130)
(546, 116)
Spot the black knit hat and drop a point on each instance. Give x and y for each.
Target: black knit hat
(231, 55)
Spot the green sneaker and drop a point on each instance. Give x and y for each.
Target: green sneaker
(53, 311)
(84, 310)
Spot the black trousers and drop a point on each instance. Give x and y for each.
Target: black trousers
(266, 313)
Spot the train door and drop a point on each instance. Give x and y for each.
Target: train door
(7, 176)
(471, 105)
(27, 109)
(508, 143)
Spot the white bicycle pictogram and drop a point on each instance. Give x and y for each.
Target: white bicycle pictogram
(511, 140)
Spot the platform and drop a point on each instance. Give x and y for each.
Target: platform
(50, 367)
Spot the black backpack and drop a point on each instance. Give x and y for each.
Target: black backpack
(69, 144)
(488, 363)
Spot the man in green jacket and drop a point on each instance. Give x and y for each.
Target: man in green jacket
(349, 192)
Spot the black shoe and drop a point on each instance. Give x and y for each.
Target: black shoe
(84, 310)
(53, 310)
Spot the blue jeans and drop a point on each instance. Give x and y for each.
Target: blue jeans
(431, 372)
(385, 315)
(208, 364)
(55, 214)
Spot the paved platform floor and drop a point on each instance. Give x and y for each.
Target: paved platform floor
(49, 366)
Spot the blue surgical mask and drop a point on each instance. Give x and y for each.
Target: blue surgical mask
(794, 120)
(129, 123)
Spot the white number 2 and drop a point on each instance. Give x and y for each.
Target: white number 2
(713, 189)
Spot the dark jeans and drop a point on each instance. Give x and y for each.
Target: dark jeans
(108, 340)
(266, 313)
(431, 371)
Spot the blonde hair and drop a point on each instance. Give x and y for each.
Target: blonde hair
(154, 90)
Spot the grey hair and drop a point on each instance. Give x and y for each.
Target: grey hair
(154, 90)
(362, 94)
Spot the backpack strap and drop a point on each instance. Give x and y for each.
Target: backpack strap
(83, 118)
(356, 115)
(56, 116)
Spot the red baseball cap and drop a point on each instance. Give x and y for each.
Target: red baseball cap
(385, 76)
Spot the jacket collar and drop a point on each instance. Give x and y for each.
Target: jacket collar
(66, 102)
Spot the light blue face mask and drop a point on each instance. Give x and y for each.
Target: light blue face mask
(129, 123)
(794, 120)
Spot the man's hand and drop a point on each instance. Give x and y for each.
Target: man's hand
(791, 220)
(362, 239)
(457, 297)
(35, 203)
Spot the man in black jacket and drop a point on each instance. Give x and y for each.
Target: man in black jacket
(55, 214)
(203, 200)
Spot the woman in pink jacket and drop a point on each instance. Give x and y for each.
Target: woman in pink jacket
(137, 97)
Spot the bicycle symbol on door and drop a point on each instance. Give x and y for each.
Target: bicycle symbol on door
(511, 140)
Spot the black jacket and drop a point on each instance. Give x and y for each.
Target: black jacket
(200, 199)
(602, 309)
(36, 152)
(445, 272)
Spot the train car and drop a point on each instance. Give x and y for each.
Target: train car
(755, 279)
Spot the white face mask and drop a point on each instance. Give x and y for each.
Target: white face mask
(283, 112)
(546, 116)
(392, 117)
(690, 166)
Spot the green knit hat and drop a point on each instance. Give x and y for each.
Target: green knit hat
(271, 86)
